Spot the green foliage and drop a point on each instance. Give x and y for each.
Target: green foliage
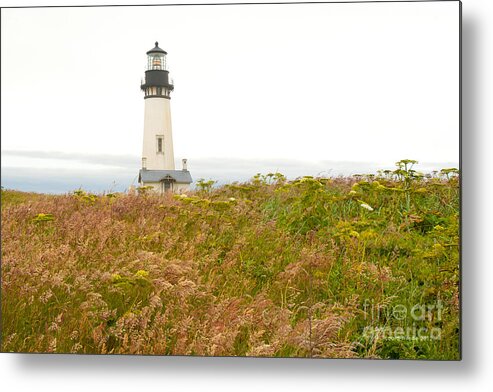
(269, 267)
(449, 173)
(204, 186)
(144, 189)
(43, 218)
(12, 197)
(85, 197)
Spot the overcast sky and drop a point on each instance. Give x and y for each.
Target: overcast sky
(304, 89)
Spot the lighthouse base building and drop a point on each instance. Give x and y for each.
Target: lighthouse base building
(158, 161)
(161, 181)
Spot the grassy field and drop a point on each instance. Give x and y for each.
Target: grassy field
(360, 267)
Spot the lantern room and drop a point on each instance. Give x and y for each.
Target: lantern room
(156, 59)
(157, 82)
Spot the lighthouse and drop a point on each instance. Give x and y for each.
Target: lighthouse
(158, 160)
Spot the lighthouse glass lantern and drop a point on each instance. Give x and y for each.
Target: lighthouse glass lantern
(157, 82)
(156, 61)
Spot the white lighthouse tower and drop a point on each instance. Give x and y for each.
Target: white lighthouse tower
(158, 160)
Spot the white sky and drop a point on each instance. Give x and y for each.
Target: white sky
(329, 82)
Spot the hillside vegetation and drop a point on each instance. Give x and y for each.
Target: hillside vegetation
(366, 266)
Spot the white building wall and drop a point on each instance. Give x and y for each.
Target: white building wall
(158, 187)
(157, 121)
(180, 188)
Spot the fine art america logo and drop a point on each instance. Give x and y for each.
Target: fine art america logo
(413, 322)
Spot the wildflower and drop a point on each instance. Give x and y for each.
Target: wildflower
(43, 218)
(183, 195)
(353, 192)
(232, 199)
(367, 234)
(141, 274)
(116, 278)
(438, 248)
(366, 206)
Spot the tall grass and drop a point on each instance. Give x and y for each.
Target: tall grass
(265, 268)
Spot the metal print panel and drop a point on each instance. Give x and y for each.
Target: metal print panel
(266, 180)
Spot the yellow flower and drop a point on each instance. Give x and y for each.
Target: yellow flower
(141, 274)
(116, 277)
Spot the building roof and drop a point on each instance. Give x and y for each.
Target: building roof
(156, 49)
(181, 176)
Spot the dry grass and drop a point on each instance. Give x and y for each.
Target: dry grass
(265, 268)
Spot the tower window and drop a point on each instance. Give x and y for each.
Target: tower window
(160, 144)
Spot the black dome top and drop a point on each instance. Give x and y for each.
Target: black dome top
(156, 49)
